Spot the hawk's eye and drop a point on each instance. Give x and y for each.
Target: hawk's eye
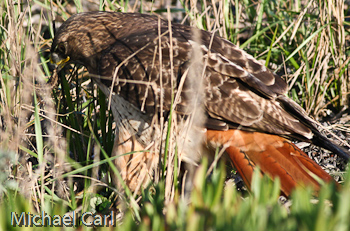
(61, 48)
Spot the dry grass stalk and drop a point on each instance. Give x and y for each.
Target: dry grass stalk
(17, 109)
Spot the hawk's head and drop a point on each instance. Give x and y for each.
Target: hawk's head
(81, 38)
(66, 41)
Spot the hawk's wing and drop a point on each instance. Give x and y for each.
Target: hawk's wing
(239, 91)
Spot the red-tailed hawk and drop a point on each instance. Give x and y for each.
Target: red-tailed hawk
(146, 67)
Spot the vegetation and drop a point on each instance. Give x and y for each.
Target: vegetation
(55, 143)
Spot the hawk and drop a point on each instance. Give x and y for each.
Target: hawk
(152, 69)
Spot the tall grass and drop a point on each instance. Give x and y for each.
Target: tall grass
(58, 141)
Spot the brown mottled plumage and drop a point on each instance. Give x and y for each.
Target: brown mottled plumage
(123, 50)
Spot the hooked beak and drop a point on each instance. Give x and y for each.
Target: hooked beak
(58, 61)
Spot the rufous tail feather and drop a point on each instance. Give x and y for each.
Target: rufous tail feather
(275, 156)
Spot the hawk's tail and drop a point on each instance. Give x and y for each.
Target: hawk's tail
(275, 156)
(323, 142)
